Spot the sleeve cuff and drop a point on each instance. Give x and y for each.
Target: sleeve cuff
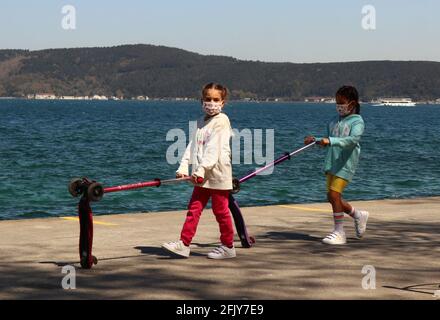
(332, 140)
(183, 171)
(200, 172)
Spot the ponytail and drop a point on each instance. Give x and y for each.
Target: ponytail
(358, 108)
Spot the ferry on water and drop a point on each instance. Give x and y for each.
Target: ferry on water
(396, 102)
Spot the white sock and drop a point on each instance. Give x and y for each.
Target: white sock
(355, 214)
(339, 221)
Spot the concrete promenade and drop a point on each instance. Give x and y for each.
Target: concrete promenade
(288, 261)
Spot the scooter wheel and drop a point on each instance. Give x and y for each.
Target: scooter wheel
(76, 187)
(95, 192)
(84, 263)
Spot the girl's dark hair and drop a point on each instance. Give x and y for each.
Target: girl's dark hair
(216, 86)
(350, 93)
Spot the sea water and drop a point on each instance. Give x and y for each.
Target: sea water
(44, 144)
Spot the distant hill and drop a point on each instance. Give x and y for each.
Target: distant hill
(161, 72)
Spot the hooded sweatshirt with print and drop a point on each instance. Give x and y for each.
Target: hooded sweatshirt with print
(344, 150)
(209, 153)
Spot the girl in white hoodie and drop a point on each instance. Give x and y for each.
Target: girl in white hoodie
(209, 155)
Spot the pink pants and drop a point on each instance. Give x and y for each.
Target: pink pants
(220, 207)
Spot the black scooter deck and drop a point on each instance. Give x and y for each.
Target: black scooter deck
(246, 240)
(86, 234)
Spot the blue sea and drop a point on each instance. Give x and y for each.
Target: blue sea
(44, 144)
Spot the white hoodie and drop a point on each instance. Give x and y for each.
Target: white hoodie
(209, 153)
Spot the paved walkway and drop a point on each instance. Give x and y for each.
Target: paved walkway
(288, 261)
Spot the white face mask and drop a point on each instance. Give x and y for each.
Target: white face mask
(343, 109)
(212, 108)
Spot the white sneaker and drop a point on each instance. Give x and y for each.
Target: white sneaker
(222, 252)
(335, 238)
(360, 224)
(178, 248)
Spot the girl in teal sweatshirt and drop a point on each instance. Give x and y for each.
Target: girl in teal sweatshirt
(343, 135)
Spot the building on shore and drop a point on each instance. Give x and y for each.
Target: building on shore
(73, 98)
(45, 96)
(51, 96)
(142, 98)
(98, 97)
(320, 99)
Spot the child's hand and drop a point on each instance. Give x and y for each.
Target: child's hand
(180, 175)
(196, 179)
(324, 142)
(309, 140)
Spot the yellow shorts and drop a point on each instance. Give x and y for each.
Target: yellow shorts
(335, 183)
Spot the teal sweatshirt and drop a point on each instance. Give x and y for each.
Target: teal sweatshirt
(344, 149)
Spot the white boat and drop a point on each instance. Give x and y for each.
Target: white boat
(396, 102)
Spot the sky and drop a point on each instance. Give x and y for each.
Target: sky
(277, 30)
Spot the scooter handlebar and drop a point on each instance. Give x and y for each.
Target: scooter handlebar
(200, 180)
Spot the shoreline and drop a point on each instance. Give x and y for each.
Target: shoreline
(208, 208)
(177, 99)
